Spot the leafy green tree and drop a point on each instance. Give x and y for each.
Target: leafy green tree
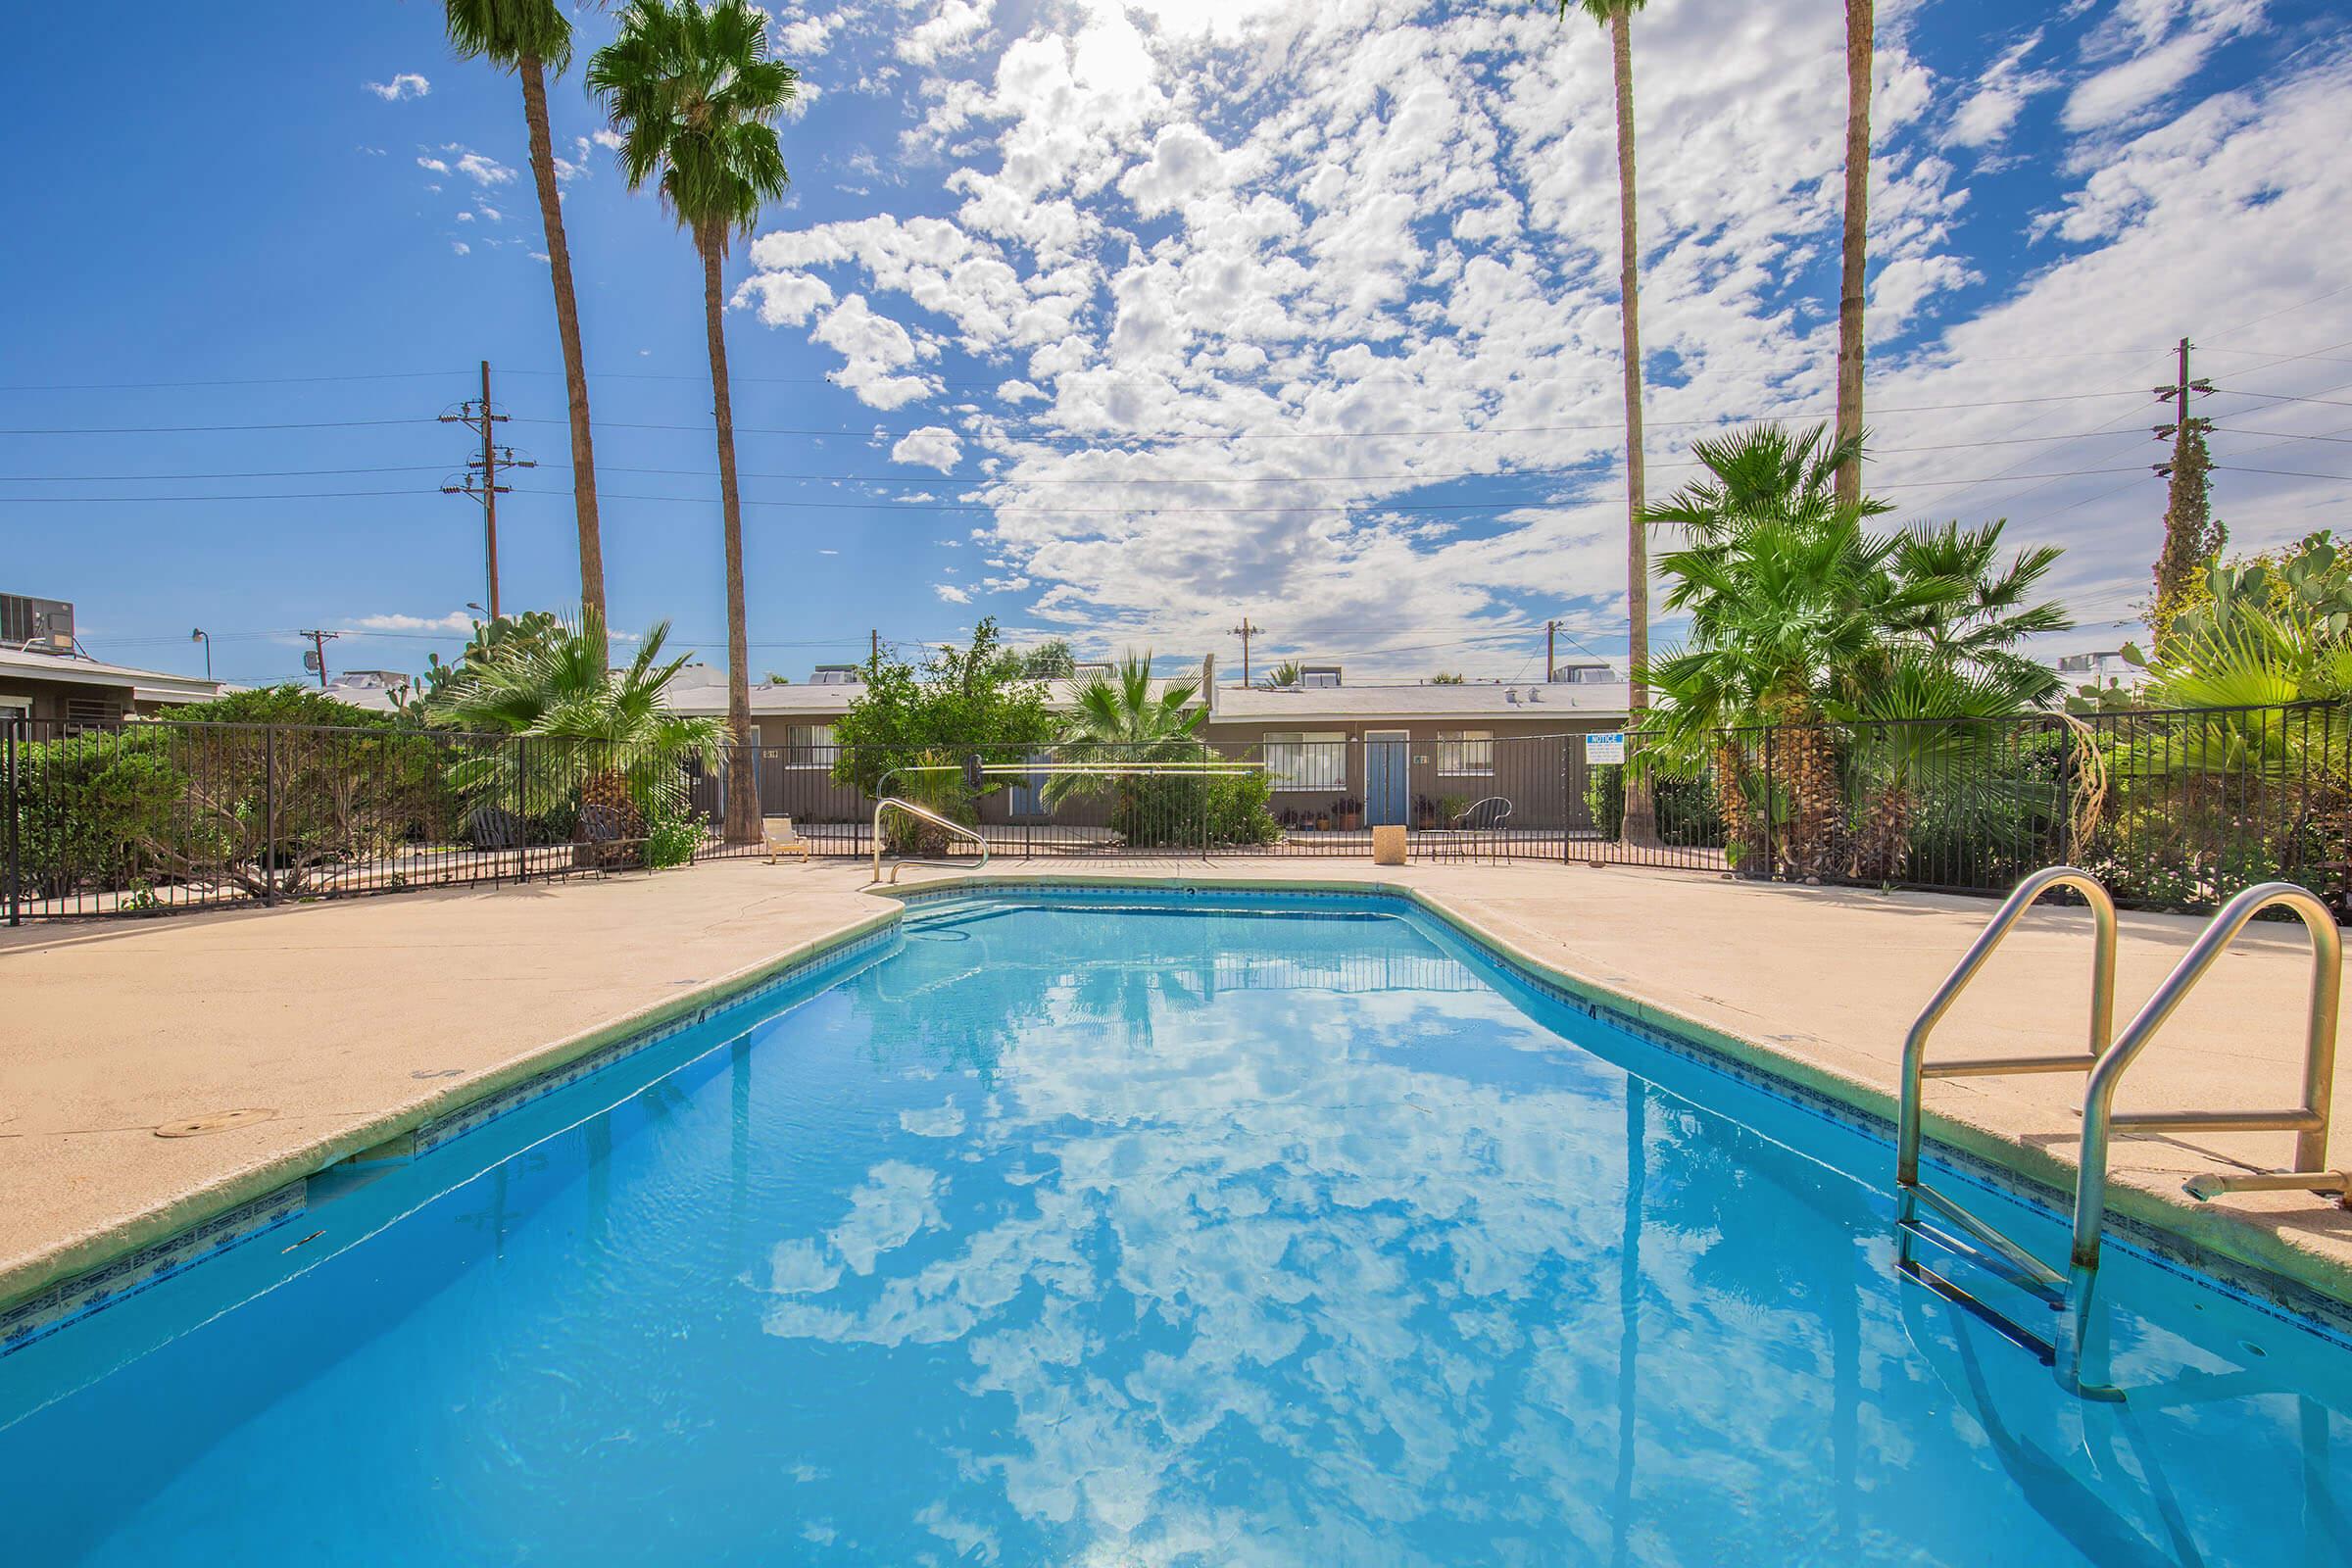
(694, 97)
(1050, 659)
(530, 38)
(2192, 535)
(963, 702)
(1446, 679)
(1285, 673)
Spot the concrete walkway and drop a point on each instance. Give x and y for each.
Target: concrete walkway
(343, 1023)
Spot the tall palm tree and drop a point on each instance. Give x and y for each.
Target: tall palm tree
(694, 97)
(531, 38)
(1617, 15)
(1861, 21)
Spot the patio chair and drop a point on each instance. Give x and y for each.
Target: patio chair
(777, 836)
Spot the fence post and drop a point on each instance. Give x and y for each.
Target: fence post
(16, 870)
(522, 814)
(269, 813)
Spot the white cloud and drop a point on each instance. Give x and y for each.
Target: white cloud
(934, 446)
(952, 594)
(482, 170)
(783, 299)
(875, 348)
(407, 85)
(953, 27)
(432, 166)
(2160, 43)
(457, 620)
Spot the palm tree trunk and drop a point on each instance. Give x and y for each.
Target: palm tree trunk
(743, 803)
(1639, 825)
(567, 329)
(1860, 23)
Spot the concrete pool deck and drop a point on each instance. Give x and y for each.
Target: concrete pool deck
(345, 1024)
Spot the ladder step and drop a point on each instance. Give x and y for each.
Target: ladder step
(1990, 1248)
(1999, 1066)
(2000, 1323)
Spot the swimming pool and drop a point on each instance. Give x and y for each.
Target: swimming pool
(1177, 1232)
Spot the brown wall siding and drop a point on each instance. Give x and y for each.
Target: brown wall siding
(1541, 785)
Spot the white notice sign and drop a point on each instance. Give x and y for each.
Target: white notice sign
(1605, 747)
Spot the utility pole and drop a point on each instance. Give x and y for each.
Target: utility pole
(1551, 663)
(481, 474)
(319, 642)
(2190, 532)
(1244, 631)
(874, 648)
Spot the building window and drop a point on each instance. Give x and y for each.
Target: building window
(1299, 761)
(809, 746)
(1466, 754)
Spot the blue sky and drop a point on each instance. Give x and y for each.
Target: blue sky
(1069, 298)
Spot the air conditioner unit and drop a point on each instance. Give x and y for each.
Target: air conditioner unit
(36, 626)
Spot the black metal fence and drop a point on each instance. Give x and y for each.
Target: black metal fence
(2173, 810)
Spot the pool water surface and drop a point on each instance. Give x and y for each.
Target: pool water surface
(1066, 1234)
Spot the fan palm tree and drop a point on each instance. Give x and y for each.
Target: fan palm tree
(1794, 606)
(1861, 23)
(530, 38)
(694, 97)
(1976, 629)
(608, 731)
(1118, 719)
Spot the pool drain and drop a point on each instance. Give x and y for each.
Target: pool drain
(211, 1121)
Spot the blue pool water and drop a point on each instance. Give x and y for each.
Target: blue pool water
(1151, 1236)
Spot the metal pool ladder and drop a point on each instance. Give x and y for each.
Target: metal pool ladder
(955, 828)
(2070, 1295)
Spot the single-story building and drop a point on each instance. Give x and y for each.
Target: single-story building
(68, 689)
(1404, 751)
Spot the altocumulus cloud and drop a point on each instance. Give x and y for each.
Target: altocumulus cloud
(1258, 285)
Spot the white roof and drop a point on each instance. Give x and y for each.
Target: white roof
(146, 685)
(1578, 700)
(703, 689)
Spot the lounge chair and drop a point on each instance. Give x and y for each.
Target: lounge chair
(777, 837)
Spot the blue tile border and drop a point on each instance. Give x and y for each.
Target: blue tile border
(71, 1299)
(77, 1297)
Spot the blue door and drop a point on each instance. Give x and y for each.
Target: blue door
(1028, 791)
(1387, 777)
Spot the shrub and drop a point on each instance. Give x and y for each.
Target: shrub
(673, 831)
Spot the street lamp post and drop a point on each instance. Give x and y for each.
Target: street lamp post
(200, 635)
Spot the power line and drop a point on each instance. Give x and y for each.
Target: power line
(1499, 502)
(1430, 476)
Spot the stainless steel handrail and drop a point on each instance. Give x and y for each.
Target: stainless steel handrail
(2308, 1121)
(1915, 1045)
(925, 814)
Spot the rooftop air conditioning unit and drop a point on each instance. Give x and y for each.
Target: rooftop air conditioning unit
(36, 626)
